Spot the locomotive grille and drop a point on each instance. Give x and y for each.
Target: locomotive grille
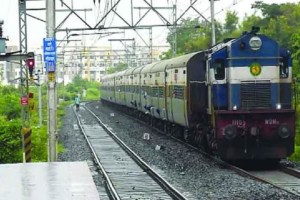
(255, 94)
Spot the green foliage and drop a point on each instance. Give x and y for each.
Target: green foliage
(280, 31)
(92, 94)
(78, 86)
(296, 155)
(10, 140)
(250, 21)
(231, 23)
(39, 142)
(118, 68)
(295, 40)
(280, 21)
(191, 35)
(10, 102)
(10, 133)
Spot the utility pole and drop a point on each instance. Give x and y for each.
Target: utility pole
(150, 45)
(52, 100)
(174, 31)
(212, 14)
(40, 99)
(26, 130)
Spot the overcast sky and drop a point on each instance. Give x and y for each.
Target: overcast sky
(37, 29)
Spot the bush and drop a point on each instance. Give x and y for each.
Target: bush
(10, 140)
(296, 155)
(92, 94)
(39, 140)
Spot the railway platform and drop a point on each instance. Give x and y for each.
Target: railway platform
(47, 181)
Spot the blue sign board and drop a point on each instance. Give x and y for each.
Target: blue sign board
(50, 66)
(49, 45)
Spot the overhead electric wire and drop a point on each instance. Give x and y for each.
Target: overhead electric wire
(228, 7)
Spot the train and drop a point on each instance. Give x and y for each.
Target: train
(233, 99)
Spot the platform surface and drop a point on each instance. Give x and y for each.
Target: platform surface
(47, 181)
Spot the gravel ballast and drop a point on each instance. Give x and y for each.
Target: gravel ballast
(188, 171)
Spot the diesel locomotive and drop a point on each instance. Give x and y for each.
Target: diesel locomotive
(235, 99)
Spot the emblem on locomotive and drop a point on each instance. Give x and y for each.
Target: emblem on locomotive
(255, 69)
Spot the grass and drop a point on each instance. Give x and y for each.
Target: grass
(296, 154)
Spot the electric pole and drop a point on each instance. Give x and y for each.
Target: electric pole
(26, 130)
(212, 14)
(174, 47)
(40, 99)
(50, 66)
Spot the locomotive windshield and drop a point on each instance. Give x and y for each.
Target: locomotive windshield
(219, 69)
(284, 67)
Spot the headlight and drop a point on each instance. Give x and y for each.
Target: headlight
(254, 131)
(230, 132)
(255, 43)
(234, 107)
(278, 106)
(283, 131)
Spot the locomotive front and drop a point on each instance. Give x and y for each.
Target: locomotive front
(251, 96)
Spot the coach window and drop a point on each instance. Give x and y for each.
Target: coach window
(284, 67)
(219, 69)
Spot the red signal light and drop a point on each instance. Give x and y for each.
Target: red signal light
(30, 64)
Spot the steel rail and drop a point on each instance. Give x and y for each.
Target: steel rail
(109, 184)
(286, 170)
(236, 169)
(175, 194)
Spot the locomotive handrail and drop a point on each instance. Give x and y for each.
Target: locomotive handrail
(217, 83)
(236, 58)
(198, 82)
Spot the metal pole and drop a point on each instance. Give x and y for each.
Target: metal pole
(40, 100)
(26, 130)
(174, 31)
(50, 26)
(150, 45)
(212, 14)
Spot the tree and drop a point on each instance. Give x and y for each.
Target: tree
(295, 40)
(279, 21)
(77, 86)
(191, 35)
(250, 21)
(269, 11)
(118, 68)
(231, 23)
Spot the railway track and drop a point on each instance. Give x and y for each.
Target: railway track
(126, 175)
(284, 178)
